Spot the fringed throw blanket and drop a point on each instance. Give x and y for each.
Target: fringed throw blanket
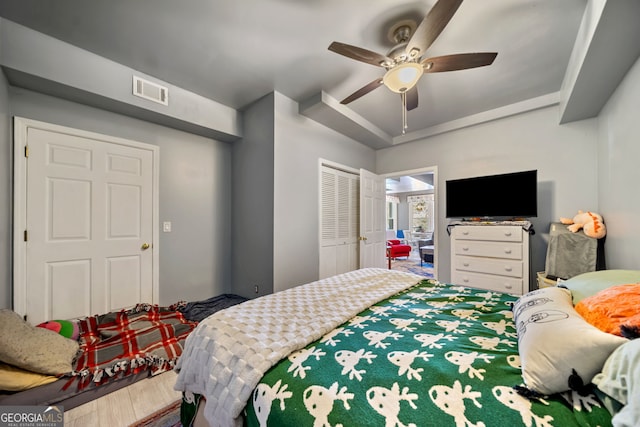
(146, 337)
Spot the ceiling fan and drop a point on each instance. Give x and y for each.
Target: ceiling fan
(405, 62)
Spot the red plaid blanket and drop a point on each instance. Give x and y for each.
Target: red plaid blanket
(146, 337)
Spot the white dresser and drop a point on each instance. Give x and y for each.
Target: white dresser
(493, 257)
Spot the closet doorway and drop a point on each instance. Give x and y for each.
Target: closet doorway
(339, 220)
(352, 219)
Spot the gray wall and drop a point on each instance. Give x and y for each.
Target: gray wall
(619, 173)
(45, 64)
(300, 143)
(195, 193)
(252, 201)
(6, 153)
(565, 157)
(195, 166)
(276, 194)
(237, 229)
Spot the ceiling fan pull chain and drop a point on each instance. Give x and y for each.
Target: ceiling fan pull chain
(404, 111)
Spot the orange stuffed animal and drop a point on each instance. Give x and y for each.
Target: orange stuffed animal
(590, 222)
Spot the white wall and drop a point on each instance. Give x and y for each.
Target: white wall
(299, 144)
(564, 155)
(619, 172)
(195, 194)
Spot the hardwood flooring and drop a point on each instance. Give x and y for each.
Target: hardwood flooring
(127, 405)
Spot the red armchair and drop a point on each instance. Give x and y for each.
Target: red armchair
(395, 249)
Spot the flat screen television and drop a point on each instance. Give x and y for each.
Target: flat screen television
(504, 196)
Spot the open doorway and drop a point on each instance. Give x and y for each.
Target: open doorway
(411, 218)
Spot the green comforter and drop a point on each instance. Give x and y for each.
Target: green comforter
(433, 355)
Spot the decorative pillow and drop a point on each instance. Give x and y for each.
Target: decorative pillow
(587, 284)
(554, 341)
(66, 328)
(34, 349)
(16, 379)
(613, 307)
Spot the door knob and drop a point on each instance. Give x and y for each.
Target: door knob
(145, 246)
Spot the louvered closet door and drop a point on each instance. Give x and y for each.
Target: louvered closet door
(339, 222)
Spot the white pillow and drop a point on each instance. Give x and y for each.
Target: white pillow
(620, 379)
(554, 340)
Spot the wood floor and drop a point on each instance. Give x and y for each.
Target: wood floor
(127, 405)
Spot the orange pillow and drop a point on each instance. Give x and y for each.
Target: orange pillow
(612, 307)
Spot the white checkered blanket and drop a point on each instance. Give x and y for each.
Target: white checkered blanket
(228, 353)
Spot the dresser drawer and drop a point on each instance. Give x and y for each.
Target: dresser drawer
(502, 267)
(485, 281)
(495, 233)
(488, 249)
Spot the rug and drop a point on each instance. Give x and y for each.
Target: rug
(412, 265)
(169, 416)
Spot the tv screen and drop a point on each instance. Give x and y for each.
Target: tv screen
(510, 195)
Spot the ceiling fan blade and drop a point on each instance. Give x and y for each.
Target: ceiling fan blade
(362, 91)
(360, 54)
(412, 98)
(431, 26)
(460, 61)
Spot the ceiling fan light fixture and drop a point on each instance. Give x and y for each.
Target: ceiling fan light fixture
(403, 77)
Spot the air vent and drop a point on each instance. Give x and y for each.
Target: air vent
(151, 91)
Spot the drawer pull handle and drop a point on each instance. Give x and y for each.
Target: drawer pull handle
(508, 269)
(507, 233)
(465, 248)
(465, 280)
(466, 264)
(508, 286)
(466, 233)
(507, 251)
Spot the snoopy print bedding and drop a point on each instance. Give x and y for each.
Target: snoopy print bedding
(431, 355)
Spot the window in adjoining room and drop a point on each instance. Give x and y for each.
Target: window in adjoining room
(421, 213)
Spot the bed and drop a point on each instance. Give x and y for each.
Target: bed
(381, 347)
(80, 360)
(95, 356)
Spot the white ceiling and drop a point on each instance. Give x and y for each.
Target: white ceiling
(235, 52)
(408, 184)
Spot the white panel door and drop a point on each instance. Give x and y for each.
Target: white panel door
(89, 218)
(372, 220)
